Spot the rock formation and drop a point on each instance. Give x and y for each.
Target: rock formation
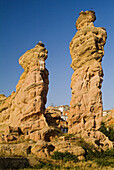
(108, 118)
(23, 111)
(27, 128)
(53, 116)
(56, 118)
(86, 49)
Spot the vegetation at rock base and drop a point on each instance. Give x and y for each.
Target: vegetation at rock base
(103, 158)
(94, 160)
(108, 132)
(46, 165)
(66, 156)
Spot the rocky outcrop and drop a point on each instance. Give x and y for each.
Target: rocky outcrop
(86, 49)
(27, 128)
(53, 117)
(2, 98)
(108, 118)
(67, 146)
(23, 111)
(42, 149)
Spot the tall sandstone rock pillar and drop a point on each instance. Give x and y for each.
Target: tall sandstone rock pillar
(86, 49)
(24, 110)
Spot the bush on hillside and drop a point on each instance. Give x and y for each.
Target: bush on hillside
(66, 156)
(108, 132)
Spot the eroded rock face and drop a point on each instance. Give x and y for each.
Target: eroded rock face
(108, 119)
(25, 108)
(86, 49)
(53, 117)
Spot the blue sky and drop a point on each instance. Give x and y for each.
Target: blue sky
(25, 22)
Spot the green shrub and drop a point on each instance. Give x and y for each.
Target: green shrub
(66, 156)
(103, 129)
(105, 162)
(104, 158)
(47, 165)
(108, 153)
(109, 133)
(57, 155)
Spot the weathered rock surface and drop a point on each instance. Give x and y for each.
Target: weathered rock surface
(108, 119)
(27, 128)
(53, 117)
(2, 98)
(19, 149)
(44, 149)
(86, 49)
(24, 109)
(63, 146)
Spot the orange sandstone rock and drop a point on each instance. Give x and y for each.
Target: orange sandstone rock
(86, 49)
(108, 118)
(25, 108)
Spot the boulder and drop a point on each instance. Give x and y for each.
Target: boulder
(42, 149)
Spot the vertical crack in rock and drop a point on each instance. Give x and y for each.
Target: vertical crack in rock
(86, 49)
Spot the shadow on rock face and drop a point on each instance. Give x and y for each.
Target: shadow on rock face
(6, 163)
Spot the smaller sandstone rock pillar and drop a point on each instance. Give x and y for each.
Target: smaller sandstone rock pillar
(35, 85)
(86, 49)
(24, 110)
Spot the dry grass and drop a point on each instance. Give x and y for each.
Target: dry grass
(89, 165)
